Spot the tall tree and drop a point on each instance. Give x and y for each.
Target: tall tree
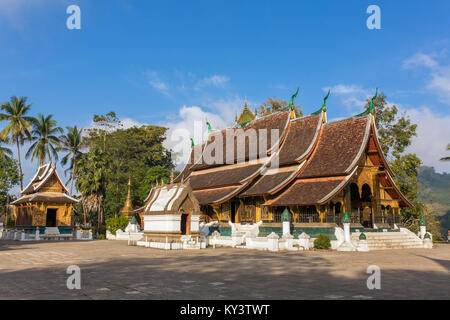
(446, 158)
(5, 153)
(9, 177)
(45, 140)
(137, 153)
(19, 125)
(72, 143)
(91, 183)
(274, 105)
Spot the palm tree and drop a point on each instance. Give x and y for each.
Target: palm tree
(72, 143)
(5, 153)
(91, 183)
(446, 158)
(46, 143)
(19, 125)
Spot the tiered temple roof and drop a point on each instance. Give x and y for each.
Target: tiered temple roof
(309, 163)
(45, 186)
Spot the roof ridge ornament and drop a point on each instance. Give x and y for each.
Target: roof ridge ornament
(324, 105)
(208, 124)
(370, 109)
(192, 143)
(291, 105)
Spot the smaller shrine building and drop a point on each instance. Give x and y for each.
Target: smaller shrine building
(44, 202)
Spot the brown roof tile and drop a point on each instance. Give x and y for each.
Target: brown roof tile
(306, 192)
(277, 121)
(339, 145)
(213, 195)
(300, 139)
(223, 176)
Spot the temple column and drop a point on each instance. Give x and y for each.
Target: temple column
(376, 205)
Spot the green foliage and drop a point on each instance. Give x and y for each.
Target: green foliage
(434, 189)
(446, 158)
(18, 126)
(71, 143)
(45, 143)
(9, 177)
(101, 237)
(274, 105)
(394, 131)
(134, 153)
(322, 242)
(115, 223)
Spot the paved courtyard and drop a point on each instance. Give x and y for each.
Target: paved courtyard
(113, 270)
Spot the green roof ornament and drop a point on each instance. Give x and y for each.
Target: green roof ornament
(370, 108)
(427, 236)
(133, 220)
(422, 221)
(209, 125)
(346, 218)
(286, 215)
(362, 236)
(323, 108)
(192, 143)
(291, 105)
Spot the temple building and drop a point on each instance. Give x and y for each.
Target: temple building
(44, 202)
(318, 169)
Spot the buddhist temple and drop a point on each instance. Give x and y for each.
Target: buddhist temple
(316, 169)
(44, 202)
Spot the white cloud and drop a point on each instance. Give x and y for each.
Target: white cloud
(433, 132)
(420, 59)
(438, 78)
(352, 96)
(154, 81)
(212, 81)
(191, 123)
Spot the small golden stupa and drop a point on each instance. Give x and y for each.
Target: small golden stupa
(127, 209)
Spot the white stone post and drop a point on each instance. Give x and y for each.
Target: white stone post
(37, 236)
(90, 234)
(347, 244)
(347, 235)
(286, 227)
(16, 235)
(22, 235)
(272, 242)
(423, 227)
(286, 217)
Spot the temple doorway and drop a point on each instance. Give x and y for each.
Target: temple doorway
(185, 224)
(51, 218)
(366, 217)
(233, 211)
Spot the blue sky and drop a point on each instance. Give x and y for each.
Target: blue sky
(173, 62)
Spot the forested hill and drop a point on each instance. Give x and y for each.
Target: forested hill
(434, 189)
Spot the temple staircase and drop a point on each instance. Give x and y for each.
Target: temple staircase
(403, 239)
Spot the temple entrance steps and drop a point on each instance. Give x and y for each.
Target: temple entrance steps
(389, 240)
